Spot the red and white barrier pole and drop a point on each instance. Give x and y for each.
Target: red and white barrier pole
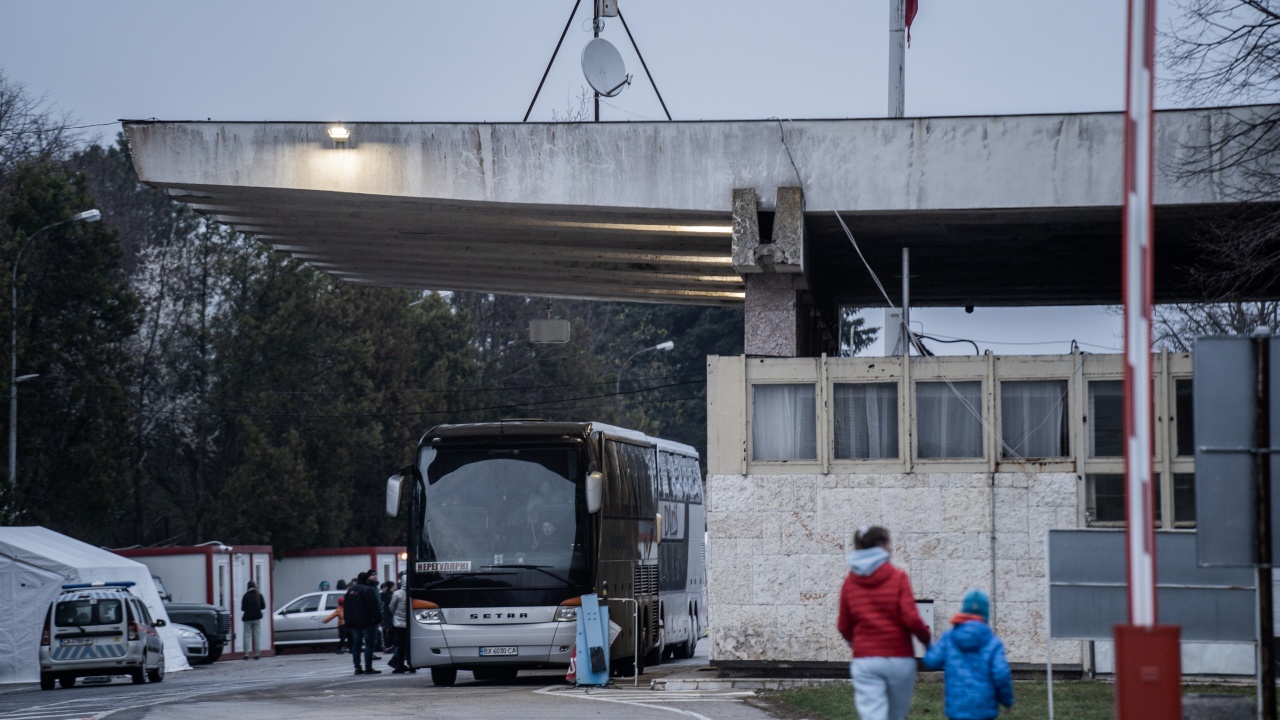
(1148, 668)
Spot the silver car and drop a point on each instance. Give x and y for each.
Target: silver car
(193, 642)
(301, 620)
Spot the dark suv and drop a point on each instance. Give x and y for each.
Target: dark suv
(212, 620)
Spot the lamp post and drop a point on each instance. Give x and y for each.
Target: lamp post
(668, 345)
(86, 216)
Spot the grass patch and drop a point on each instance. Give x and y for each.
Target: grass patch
(1072, 700)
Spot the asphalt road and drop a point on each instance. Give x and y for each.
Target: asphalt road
(320, 686)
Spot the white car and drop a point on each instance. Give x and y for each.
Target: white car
(96, 629)
(194, 644)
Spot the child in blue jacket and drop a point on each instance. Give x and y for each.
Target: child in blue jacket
(977, 680)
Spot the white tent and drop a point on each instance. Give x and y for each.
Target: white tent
(34, 563)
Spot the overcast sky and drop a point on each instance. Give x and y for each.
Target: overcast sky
(472, 60)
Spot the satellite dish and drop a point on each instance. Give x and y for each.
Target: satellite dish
(603, 67)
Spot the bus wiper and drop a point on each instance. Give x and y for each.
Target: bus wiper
(540, 568)
(459, 576)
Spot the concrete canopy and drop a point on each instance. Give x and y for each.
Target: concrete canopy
(996, 210)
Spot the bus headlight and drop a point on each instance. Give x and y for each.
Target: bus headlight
(427, 616)
(565, 613)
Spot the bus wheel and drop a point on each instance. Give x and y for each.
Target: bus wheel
(654, 656)
(444, 676)
(684, 650)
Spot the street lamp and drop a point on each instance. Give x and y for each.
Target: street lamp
(86, 216)
(668, 345)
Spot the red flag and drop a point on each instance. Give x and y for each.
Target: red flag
(912, 7)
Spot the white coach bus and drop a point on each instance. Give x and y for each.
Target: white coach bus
(509, 523)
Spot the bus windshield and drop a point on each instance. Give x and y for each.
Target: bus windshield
(502, 517)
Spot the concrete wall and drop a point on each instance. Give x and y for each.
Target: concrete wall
(777, 546)
(778, 531)
(847, 165)
(186, 577)
(302, 573)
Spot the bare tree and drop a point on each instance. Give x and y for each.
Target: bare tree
(30, 128)
(1227, 52)
(579, 112)
(1177, 326)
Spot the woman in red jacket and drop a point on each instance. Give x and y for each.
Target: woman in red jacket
(878, 618)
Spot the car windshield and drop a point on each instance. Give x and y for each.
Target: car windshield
(308, 603)
(87, 611)
(503, 517)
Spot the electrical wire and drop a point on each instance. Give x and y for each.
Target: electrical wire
(40, 400)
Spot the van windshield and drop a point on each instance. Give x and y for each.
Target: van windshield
(87, 611)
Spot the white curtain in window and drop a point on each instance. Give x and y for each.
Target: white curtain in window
(783, 423)
(1033, 417)
(949, 419)
(866, 420)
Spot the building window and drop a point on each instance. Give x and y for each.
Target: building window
(866, 420)
(783, 422)
(1106, 498)
(1184, 419)
(1184, 499)
(949, 419)
(1033, 419)
(1106, 418)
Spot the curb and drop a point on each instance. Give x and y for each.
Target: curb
(756, 684)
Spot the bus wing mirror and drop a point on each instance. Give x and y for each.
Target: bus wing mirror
(657, 529)
(393, 494)
(595, 491)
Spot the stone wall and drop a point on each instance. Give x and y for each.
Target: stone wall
(777, 545)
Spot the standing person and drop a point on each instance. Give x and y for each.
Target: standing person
(877, 618)
(977, 680)
(400, 627)
(252, 605)
(388, 631)
(363, 613)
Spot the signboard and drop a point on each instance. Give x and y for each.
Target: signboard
(1225, 408)
(1087, 589)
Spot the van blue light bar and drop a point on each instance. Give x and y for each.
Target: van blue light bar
(99, 584)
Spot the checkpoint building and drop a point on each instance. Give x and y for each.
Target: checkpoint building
(968, 460)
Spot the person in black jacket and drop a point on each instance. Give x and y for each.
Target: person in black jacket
(252, 605)
(363, 614)
(388, 631)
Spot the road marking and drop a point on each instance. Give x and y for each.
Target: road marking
(643, 699)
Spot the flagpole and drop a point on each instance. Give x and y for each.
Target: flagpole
(897, 57)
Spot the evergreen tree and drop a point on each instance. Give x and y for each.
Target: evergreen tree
(75, 314)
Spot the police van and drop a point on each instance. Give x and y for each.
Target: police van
(99, 628)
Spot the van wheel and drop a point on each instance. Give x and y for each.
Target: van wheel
(46, 681)
(444, 676)
(67, 681)
(157, 674)
(138, 676)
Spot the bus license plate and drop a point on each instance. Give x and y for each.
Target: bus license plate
(76, 641)
(507, 650)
